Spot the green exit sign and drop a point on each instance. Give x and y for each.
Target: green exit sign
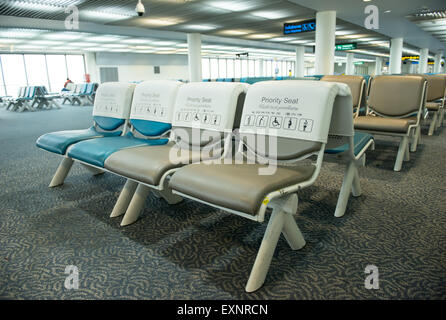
(358, 63)
(345, 46)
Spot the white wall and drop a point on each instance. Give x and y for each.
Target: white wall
(139, 67)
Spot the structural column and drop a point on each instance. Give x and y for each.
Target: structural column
(424, 56)
(300, 64)
(396, 53)
(91, 66)
(437, 65)
(378, 66)
(194, 46)
(261, 72)
(325, 42)
(350, 67)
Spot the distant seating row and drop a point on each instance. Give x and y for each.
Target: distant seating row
(177, 141)
(31, 98)
(81, 94)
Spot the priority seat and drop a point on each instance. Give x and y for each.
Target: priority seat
(270, 166)
(110, 118)
(392, 102)
(205, 111)
(150, 120)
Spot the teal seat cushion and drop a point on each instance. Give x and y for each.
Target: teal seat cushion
(150, 128)
(59, 141)
(96, 151)
(360, 140)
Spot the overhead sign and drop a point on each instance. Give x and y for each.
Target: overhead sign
(410, 58)
(299, 27)
(358, 63)
(346, 46)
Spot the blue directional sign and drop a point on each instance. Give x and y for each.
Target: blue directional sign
(300, 27)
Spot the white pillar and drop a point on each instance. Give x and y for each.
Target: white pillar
(350, 67)
(91, 66)
(396, 53)
(378, 66)
(424, 56)
(194, 46)
(437, 65)
(325, 42)
(299, 66)
(261, 72)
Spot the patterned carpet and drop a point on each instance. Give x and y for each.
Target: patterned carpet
(192, 251)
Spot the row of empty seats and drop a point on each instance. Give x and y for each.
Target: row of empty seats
(81, 93)
(31, 98)
(237, 147)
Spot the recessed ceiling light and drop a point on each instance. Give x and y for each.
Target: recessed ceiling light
(182, 45)
(19, 33)
(163, 43)
(234, 32)
(95, 49)
(343, 32)
(299, 41)
(261, 36)
(161, 22)
(271, 15)
(10, 40)
(136, 41)
(387, 11)
(231, 5)
(281, 39)
(104, 38)
(64, 35)
(201, 27)
(83, 44)
(41, 7)
(165, 49)
(114, 45)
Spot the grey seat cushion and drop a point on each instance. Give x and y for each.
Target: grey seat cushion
(148, 164)
(235, 186)
(383, 124)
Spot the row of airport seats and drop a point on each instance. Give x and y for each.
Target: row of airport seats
(81, 93)
(250, 80)
(231, 145)
(31, 98)
(216, 143)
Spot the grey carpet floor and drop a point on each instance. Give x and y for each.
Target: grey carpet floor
(192, 251)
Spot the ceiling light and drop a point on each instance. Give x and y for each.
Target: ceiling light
(343, 32)
(261, 36)
(163, 43)
(182, 45)
(165, 49)
(201, 27)
(161, 22)
(231, 5)
(64, 35)
(10, 40)
(281, 39)
(299, 41)
(234, 32)
(46, 42)
(142, 47)
(104, 38)
(83, 44)
(95, 49)
(19, 33)
(114, 45)
(387, 11)
(272, 15)
(136, 41)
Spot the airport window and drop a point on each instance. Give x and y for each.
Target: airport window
(222, 68)
(205, 70)
(257, 68)
(36, 69)
(251, 68)
(230, 68)
(244, 68)
(269, 68)
(214, 68)
(76, 68)
(14, 73)
(238, 69)
(57, 71)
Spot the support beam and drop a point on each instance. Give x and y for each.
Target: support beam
(424, 56)
(378, 66)
(396, 53)
(300, 64)
(437, 65)
(350, 67)
(325, 42)
(194, 46)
